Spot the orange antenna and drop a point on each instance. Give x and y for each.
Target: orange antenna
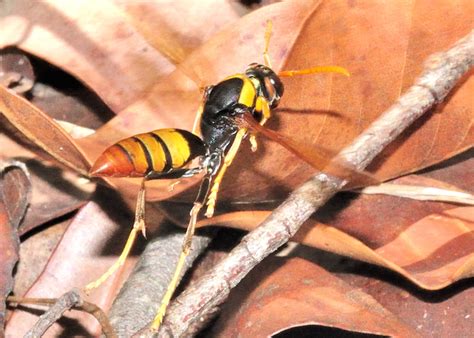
(268, 34)
(312, 70)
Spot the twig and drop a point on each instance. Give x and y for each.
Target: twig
(138, 300)
(197, 305)
(70, 300)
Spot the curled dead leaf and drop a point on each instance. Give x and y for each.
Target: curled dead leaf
(16, 71)
(427, 258)
(321, 110)
(14, 198)
(43, 131)
(78, 259)
(289, 293)
(89, 40)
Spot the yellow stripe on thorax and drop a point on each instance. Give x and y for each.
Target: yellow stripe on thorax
(248, 93)
(177, 146)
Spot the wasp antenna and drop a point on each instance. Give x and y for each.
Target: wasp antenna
(268, 34)
(313, 70)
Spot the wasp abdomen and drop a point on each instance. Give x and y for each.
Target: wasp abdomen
(158, 151)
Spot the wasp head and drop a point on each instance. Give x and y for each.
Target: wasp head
(269, 84)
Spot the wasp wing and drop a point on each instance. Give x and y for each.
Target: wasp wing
(318, 157)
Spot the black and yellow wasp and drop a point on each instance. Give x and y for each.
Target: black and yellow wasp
(232, 110)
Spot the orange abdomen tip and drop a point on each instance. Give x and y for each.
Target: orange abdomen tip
(114, 162)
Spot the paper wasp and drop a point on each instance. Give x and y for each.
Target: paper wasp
(230, 111)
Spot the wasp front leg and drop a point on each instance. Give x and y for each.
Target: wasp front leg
(229, 157)
(263, 106)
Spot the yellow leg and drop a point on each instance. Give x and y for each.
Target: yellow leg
(179, 267)
(138, 225)
(172, 185)
(253, 143)
(211, 200)
(266, 112)
(261, 104)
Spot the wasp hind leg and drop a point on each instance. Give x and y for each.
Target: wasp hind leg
(211, 200)
(139, 223)
(198, 203)
(138, 226)
(178, 269)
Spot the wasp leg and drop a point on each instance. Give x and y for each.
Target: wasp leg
(200, 199)
(253, 142)
(187, 173)
(261, 105)
(172, 185)
(138, 225)
(179, 267)
(175, 173)
(211, 200)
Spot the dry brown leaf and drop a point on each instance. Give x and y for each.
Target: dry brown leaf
(290, 293)
(72, 102)
(347, 106)
(119, 49)
(429, 192)
(78, 259)
(177, 28)
(55, 193)
(15, 189)
(343, 33)
(35, 250)
(176, 108)
(334, 33)
(436, 250)
(90, 40)
(432, 259)
(446, 313)
(320, 110)
(10, 148)
(389, 231)
(16, 71)
(42, 130)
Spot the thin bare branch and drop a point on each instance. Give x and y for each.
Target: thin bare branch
(192, 310)
(68, 301)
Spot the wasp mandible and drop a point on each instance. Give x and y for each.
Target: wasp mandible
(230, 111)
